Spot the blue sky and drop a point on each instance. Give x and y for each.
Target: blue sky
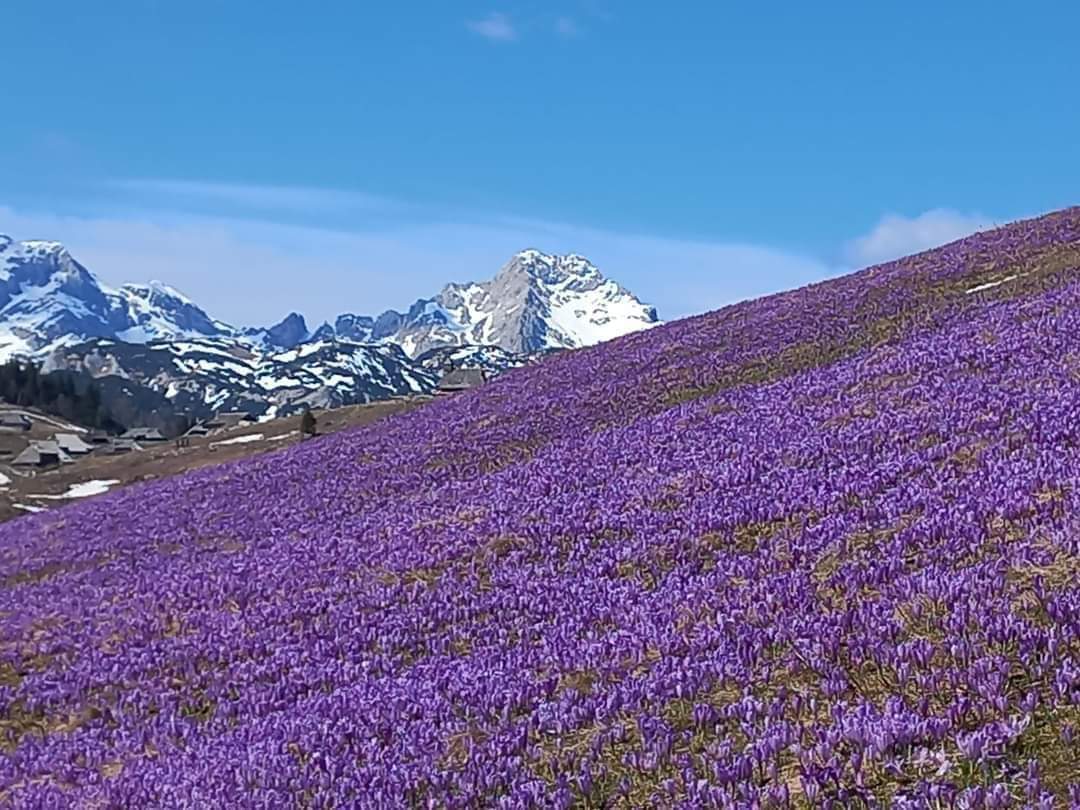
(338, 156)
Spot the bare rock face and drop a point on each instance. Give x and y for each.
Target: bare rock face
(288, 334)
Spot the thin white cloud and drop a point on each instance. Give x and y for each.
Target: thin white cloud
(254, 271)
(895, 235)
(567, 27)
(496, 27)
(254, 196)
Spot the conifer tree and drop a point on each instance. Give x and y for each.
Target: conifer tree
(307, 423)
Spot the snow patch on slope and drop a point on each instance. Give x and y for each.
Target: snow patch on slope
(990, 284)
(84, 489)
(245, 439)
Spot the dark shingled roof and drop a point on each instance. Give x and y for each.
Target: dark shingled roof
(144, 434)
(43, 452)
(17, 421)
(461, 379)
(121, 446)
(72, 443)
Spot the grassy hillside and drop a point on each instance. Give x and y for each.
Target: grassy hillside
(47, 489)
(816, 547)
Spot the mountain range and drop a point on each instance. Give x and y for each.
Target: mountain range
(159, 352)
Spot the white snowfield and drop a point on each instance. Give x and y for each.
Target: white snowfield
(990, 284)
(81, 490)
(256, 437)
(592, 317)
(305, 350)
(250, 437)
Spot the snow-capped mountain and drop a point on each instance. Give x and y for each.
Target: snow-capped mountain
(157, 311)
(154, 345)
(46, 297)
(204, 376)
(49, 300)
(536, 301)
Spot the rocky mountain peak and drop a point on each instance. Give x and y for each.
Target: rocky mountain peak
(291, 331)
(571, 271)
(157, 311)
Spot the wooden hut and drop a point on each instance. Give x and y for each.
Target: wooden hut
(73, 444)
(42, 454)
(460, 379)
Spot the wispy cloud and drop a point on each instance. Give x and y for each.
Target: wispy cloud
(252, 253)
(895, 235)
(496, 27)
(255, 196)
(567, 27)
(250, 268)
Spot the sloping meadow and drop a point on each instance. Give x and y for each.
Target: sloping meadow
(821, 547)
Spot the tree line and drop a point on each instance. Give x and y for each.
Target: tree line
(58, 393)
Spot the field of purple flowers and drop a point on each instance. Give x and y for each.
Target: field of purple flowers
(821, 549)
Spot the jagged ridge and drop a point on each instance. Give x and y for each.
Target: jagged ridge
(52, 308)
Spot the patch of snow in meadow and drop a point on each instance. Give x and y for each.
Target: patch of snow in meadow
(991, 284)
(82, 490)
(250, 437)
